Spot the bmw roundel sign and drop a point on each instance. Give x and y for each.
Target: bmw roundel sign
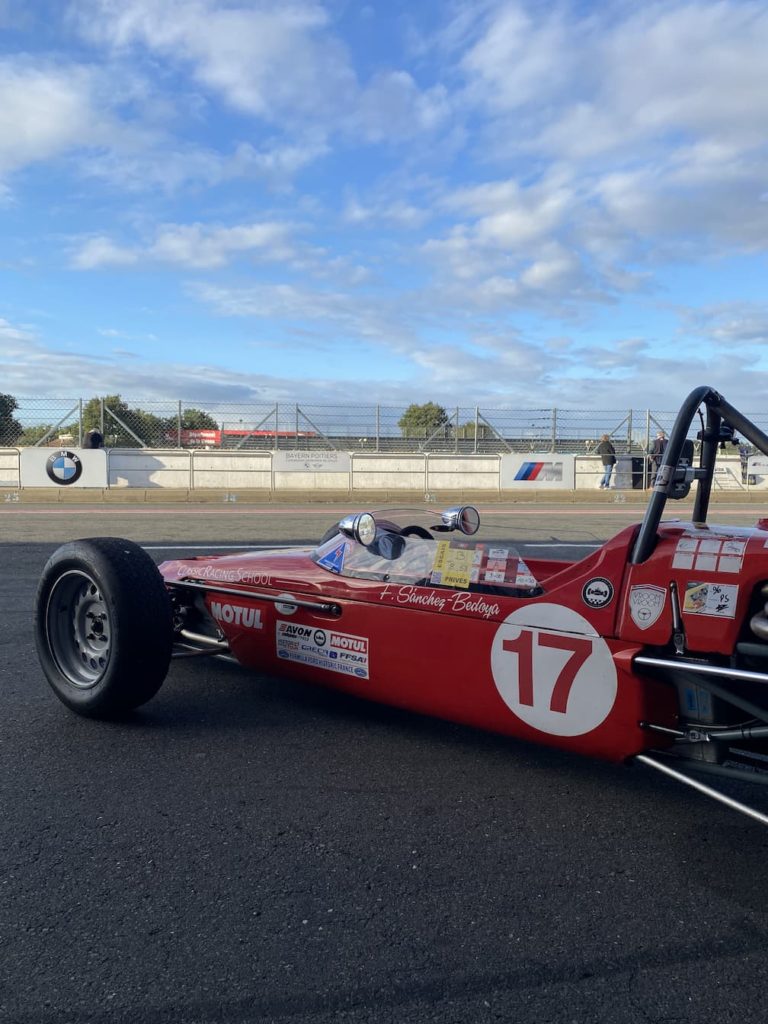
(61, 469)
(64, 467)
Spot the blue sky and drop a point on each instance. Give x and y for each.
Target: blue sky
(483, 202)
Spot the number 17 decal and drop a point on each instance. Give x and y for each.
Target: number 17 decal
(552, 671)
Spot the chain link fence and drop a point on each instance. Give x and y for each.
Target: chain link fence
(135, 423)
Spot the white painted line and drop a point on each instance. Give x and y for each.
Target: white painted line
(223, 547)
(543, 544)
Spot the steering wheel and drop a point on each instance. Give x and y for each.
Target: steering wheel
(416, 531)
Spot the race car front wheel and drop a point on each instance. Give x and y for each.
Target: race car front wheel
(104, 626)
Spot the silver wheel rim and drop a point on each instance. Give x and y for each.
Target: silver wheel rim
(78, 629)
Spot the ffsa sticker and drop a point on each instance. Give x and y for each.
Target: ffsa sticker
(553, 671)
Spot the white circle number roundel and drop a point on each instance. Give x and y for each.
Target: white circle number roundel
(552, 671)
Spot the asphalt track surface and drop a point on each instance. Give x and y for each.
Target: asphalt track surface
(247, 849)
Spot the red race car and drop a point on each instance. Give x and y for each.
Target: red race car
(654, 647)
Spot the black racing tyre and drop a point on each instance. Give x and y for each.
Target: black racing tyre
(103, 626)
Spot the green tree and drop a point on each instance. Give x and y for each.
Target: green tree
(92, 411)
(121, 422)
(31, 435)
(10, 428)
(423, 420)
(468, 430)
(197, 419)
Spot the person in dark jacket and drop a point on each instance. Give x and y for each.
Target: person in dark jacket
(94, 439)
(607, 453)
(657, 454)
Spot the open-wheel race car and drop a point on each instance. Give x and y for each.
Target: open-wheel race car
(653, 648)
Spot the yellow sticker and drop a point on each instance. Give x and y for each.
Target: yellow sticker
(452, 567)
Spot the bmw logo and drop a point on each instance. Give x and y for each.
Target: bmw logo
(64, 467)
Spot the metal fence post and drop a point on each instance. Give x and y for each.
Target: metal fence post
(178, 427)
(553, 448)
(477, 425)
(378, 427)
(101, 416)
(80, 425)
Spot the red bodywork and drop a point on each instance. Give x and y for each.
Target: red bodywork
(554, 668)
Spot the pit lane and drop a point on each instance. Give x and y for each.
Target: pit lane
(246, 849)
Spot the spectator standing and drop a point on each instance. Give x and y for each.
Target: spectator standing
(94, 439)
(657, 454)
(744, 459)
(607, 453)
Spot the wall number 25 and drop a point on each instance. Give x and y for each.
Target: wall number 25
(579, 649)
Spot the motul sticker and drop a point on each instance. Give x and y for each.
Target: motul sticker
(236, 615)
(646, 604)
(323, 648)
(716, 599)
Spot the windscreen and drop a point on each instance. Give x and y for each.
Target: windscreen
(414, 547)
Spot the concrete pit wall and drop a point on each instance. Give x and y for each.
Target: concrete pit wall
(347, 473)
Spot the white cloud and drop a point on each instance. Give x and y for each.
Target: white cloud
(282, 64)
(341, 313)
(498, 370)
(197, 246)
(392, 108)
(102, 252)
(44, 111)
(589, 84)
(398, 212)
(518, 61)
(655, 116)
(267, 61)
(729, 325)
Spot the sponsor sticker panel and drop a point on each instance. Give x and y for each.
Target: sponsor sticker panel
(330, 649)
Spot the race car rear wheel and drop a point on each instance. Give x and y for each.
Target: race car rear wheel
(104, 626)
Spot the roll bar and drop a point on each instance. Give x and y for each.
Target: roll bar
(718, 411)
